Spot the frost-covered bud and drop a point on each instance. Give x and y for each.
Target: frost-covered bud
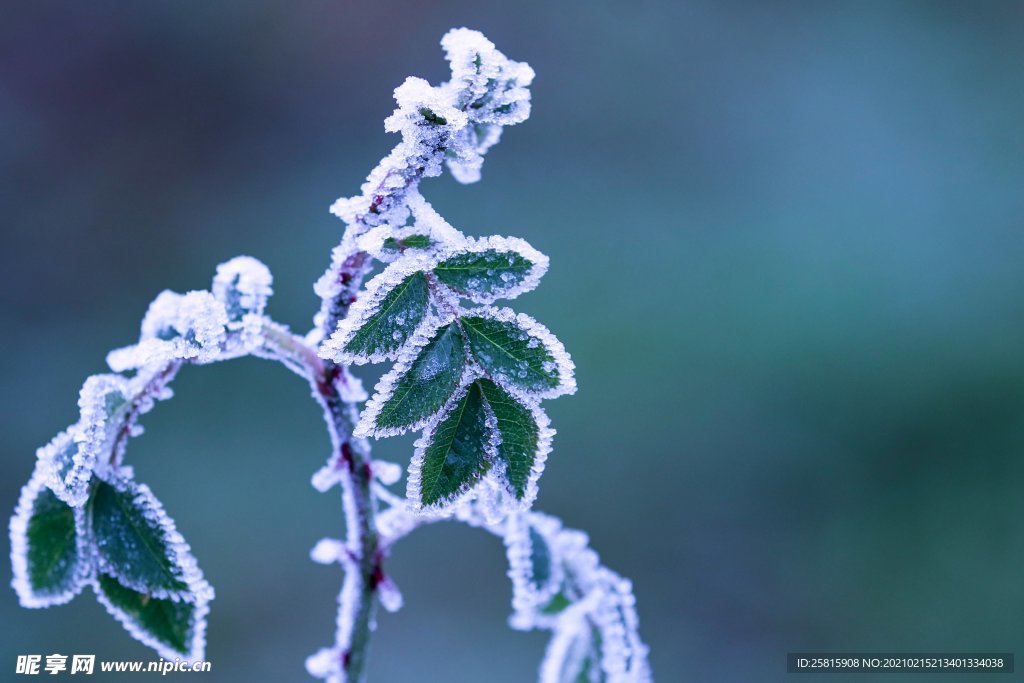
(201, 321)
(427, 119)
(494, 92)
(325, 664)
(160, 321)
(492, 87)
(387, 473)
(328, 551)
(197, 317)
(192, 326)
(243, 285)
(390, 596)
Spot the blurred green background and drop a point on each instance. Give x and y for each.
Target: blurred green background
(786, 256)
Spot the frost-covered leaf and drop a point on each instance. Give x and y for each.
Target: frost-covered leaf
(383, 318)
(137, 542)
(517, 351)
(57, 460)
(243, 285)
(71, 457)
(174, 628)
(525, 439)
(573, 655)
(415, 390)
(452, 456)
(534, 564)
(623, 654)
(540, 559)
(58, 456)
(492, 268)
(49, 560)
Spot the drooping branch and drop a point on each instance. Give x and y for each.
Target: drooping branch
(481, 372)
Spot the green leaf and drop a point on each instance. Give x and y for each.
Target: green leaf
(379, 335)
(512, 355)
(556, 605)
(410, 242)
(455, 456)
(167, 625)
(132, 539)
(432, 118)
(520, 436)
(49, 563)
(115, 402)
(425, 387)
(485, 275)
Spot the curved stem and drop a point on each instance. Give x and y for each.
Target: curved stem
(351, 459)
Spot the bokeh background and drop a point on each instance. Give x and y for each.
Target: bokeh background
(786, 255)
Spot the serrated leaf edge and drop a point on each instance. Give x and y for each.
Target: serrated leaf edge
(539, 265)
(545, 437)
(18, 530)
(414, 491)
(183, 563)
(197, 645)
(563, 361)
(519, 551)
(368, 305)
(385, 387)
(72, 488)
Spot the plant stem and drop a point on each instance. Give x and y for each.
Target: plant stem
(360, 509)
(351, 458)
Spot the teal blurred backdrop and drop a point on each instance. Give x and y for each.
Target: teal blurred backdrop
(786, 256)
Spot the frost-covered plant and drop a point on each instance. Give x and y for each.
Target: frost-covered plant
(468, 375)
